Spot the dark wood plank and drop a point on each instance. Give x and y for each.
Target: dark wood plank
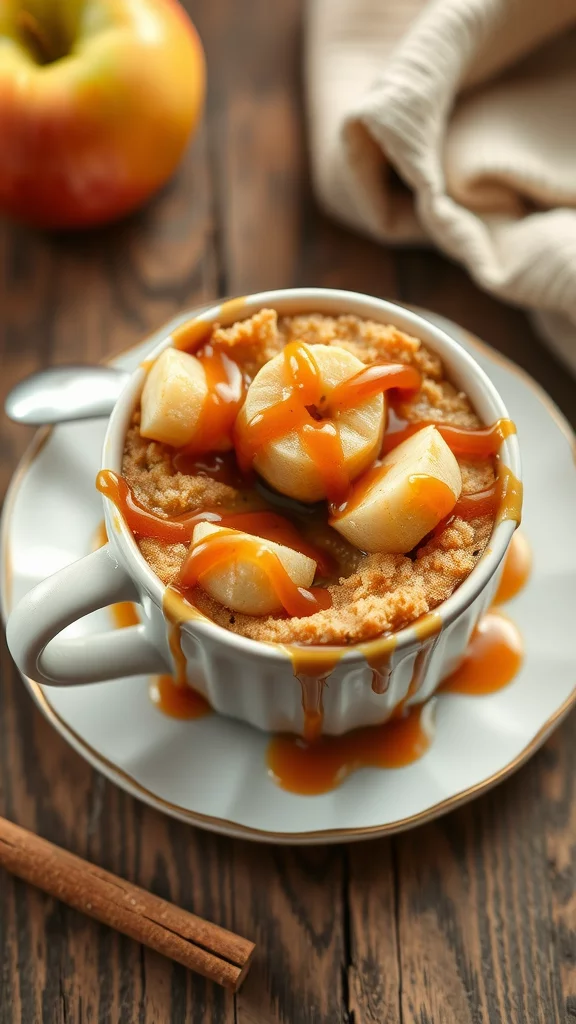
(291, 902)
(557, 764)
(256, 138)
(374, 979)
(474, 913)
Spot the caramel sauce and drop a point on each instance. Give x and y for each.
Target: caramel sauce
(381, 672)
(378, 655)
(493, 658)
(312, 768)
(172, 694)
(503, 500)
(266, 525)
(226, 389)
(311, 667)
(433, 494)
(220, 466)
(517, 567)
(177, 701)
(369, 382)
(315, 662)
(224, 378)
(175, 644)
(321, 442)
(227, 546)
(124, 614)
(510, 497)
(421, 662)
(307, 410)
(274, 527)
(140, 521)
(316, 765)
(312, 690)
(470, 443)
(428, 626)
(190, 335)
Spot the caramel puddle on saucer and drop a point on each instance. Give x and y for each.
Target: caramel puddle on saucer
(493, 658)
(177, 700)
(313, 768)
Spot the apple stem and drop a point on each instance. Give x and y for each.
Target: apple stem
(35, 37)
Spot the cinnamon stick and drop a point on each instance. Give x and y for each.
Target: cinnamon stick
(206, 948)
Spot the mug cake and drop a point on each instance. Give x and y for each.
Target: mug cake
(309, 479)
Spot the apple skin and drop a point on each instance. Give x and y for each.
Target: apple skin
(89, 137)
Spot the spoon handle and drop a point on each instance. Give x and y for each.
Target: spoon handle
(63, 393)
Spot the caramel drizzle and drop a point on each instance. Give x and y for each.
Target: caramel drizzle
(503, 499)
(266, 525)
(307, 408)
(472, 442)
(226, 546)
(226, 389)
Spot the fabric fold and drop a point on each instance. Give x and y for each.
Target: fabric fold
(452, 121)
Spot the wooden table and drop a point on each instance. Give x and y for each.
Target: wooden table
(470, 919)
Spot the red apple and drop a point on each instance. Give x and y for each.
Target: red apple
(97, 101)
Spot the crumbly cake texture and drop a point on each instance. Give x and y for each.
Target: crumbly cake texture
(376, 593)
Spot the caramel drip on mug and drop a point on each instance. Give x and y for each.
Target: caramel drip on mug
(503, 499)
(193, 333)
(312, 689)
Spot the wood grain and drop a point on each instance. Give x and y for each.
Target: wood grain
(468, 920)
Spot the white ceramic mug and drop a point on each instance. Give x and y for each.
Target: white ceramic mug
(244, 678)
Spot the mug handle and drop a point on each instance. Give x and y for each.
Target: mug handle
(93, 582)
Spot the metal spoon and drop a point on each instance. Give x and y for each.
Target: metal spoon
(65, 393)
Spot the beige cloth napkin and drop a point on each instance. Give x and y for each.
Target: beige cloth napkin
(455, 120)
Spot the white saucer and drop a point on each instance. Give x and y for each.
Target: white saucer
(212, 772)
